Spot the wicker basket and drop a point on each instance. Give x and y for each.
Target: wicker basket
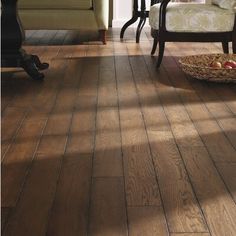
(198, 66)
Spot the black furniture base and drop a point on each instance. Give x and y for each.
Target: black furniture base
(142, 14)
(30, 63)
(12, 54)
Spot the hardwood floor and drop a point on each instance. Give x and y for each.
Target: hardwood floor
(108, 145)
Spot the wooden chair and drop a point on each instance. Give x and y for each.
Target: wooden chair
(165, 29)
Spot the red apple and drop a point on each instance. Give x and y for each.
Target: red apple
(230, 63)
(216, 64)
(228, 67)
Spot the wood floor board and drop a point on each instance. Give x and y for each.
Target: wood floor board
(107, 213)
(38, 193)
(74, 185)
(148, 221)
(69, 215)
(218, 109)
(5, 213)
(189, 234)
(183, 214)
(215, 141)
(140, 179)
(11, 121)
(108, 156)
(109, 145)
(18, 159)
(217, 204)
(228, 174)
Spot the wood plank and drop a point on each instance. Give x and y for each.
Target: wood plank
(189, 234)
(173, 180)
(217, 204)
(38, 193)
(148, 221)
(10, 123)
(140, 178)
(107, 212)
(228, 174)
(18, 159)
(213, 137)
(69, 214)
(5, 214)
(108, 156)
(218, 109)
(181, 207)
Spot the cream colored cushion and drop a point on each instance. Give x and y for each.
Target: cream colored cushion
(55, 4)
(193, 17)
(226, 4)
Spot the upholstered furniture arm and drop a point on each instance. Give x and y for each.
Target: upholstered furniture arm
(101, 9)
(162, 15)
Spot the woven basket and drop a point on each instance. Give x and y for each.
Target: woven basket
(198, 66)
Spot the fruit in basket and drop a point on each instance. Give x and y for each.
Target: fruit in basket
(216, 64)
(230, 63)
(228, 67)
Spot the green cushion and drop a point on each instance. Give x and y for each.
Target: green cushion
(51, 19)
(55, 4)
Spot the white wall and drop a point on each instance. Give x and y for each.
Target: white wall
(122, 12)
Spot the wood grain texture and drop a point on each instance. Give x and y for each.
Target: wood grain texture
(217, 204)
(148, 221)
(11, 120)
(107, 212)
(182, 210)
(39, 189)
(228, 173)
(5, 214)
(18, 160)
(190, 234)
(140, 179)
(164, 160)
(70, 210)
(108, 156)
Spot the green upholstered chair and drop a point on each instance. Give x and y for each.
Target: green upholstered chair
(193, 22)
(65, 15)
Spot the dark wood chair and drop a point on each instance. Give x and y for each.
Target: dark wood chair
(162, 35)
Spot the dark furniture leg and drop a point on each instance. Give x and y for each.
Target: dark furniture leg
(127, 24)
(143, 14)
(140, 27)
(225, 46)
(154, 46)
(102, 36)
(12, 37)
(161, 53)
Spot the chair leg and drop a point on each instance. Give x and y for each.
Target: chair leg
(140, 27)
(161, 53)
(225, 46)
(154, 46)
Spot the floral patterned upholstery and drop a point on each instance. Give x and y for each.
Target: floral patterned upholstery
(193, 17)
(226, 4)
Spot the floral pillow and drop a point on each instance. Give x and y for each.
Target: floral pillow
(226, 4)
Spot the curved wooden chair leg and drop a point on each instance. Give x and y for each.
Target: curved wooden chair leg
(140, 27)
(161, 53)
(225, 46)
(154, 46)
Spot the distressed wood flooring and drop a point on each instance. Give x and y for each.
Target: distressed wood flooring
(107, 145)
